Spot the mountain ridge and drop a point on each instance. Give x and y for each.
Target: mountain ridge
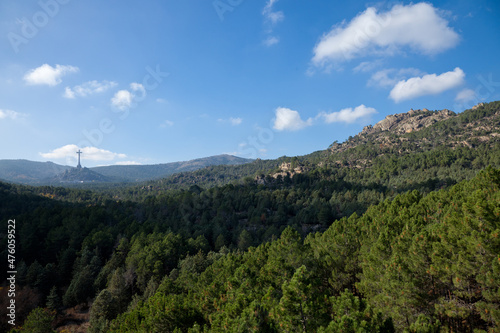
(402, 133)
(40, 173)
(155, 171)
(415, 129)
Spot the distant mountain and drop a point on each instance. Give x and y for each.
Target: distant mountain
(133, 173)
(36, 173)
(29, 172)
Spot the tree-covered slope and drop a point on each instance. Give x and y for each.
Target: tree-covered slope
(402, 152)
(29, 172)
(420, 131)
(416, 264)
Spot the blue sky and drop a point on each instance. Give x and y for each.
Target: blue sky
(144, 82)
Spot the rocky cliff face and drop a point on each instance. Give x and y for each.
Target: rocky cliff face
(410, 121)
(399, 132)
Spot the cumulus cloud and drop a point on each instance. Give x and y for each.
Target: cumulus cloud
(289, 120)
(419, 27)
(138, 87)
(390, 77)
(9, 114)
(88, 88)
(123, 99)
(89, 153)
(348, 115)
(48, 75)
(430, 84)
(466, 95)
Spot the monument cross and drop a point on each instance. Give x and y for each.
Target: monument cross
(79, 166)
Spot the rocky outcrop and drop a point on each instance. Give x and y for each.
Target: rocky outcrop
(287, 169)
(475, 107)
(397, 124)
(396, 132)
(410, 121)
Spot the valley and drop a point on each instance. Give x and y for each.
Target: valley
(396, 229)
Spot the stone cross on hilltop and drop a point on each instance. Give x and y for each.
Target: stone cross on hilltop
(79, 152)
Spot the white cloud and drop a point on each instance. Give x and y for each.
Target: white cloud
(466, 95)
(390, 77)
(367, 66)
(128, 163)
(69, 93)
(417, 26)
(235, 121)
(161, 100)
(88, 88)
(348, 115)
(382, 78)
(137, 87)
(123, 99)
(272, 16)
(290, 120)
(89, 153)
(48, 75)
(9, 114)
(430, 84)
(271, 40)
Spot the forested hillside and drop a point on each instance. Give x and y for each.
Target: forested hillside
(406, 151)
(392, 230)
(413, 263)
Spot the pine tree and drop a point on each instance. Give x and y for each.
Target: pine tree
(118, 289)
(296, 311)
(53, 300)
(105, 307)
(38, 321)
